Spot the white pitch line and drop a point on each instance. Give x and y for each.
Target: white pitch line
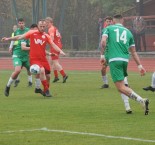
(80, 133)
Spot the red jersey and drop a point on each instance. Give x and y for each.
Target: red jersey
(38, 43)
(53, 32)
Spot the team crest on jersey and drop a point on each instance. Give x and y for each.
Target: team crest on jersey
(43, 36)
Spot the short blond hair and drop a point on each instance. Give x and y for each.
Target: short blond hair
(49, 19)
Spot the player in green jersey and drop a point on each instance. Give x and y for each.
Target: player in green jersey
(109, 21)
(120, 42)
(13, 45)
(21, 30)
(20, 57)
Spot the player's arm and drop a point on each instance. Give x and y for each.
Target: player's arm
(51, 33)
(103, 46)
(50, 54)
(137, 60)
(24, 47)
(18, 37)
(54, 45)
(103, 43)
(11, 46)
(57, 48)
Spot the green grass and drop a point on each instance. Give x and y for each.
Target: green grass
(77, 106)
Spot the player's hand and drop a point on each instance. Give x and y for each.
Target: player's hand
(10, 50)
(102, 60)
(53, 54)
(62, 53)
(4, 39)
(141, 70)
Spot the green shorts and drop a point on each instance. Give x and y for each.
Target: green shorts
(18, 61)
(118, 70)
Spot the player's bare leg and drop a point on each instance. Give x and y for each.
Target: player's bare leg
(132, 95)
(12, 79)
(104, 77)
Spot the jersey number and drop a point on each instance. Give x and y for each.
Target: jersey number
(122, 36)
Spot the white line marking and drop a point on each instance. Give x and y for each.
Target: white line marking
(80, 133)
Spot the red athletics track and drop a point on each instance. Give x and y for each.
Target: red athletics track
(85, 64)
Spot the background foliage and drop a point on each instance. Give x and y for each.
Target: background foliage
(79, 20)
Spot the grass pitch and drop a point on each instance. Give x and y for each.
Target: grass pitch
(80, 113)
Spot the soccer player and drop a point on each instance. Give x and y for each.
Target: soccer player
(39, 39)
(20, 58)
(13, 45)
(56, 37)
(20, 30)
(108, 21)
(26, 47)
(120, 42)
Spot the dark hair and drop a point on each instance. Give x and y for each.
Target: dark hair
(118, 16)
(20, 20)
(41, 20)
(33, 26)
(108, 18)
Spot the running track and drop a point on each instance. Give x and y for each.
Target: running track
(85, 64)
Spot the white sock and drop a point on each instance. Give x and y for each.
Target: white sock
(30, 78)
(125, 80)
(153, 80)
(136, 97)
(105, 79)
(126, 101)
(37, 83)
(10, 82)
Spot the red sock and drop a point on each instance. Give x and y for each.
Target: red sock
(56, 73)
(45, 85)
(62, 73)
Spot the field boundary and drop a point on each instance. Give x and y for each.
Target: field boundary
(79, 133)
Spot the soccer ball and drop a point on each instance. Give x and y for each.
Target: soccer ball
(34, 69)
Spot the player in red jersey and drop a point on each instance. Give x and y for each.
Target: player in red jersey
(39, 39)
(56, 37)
